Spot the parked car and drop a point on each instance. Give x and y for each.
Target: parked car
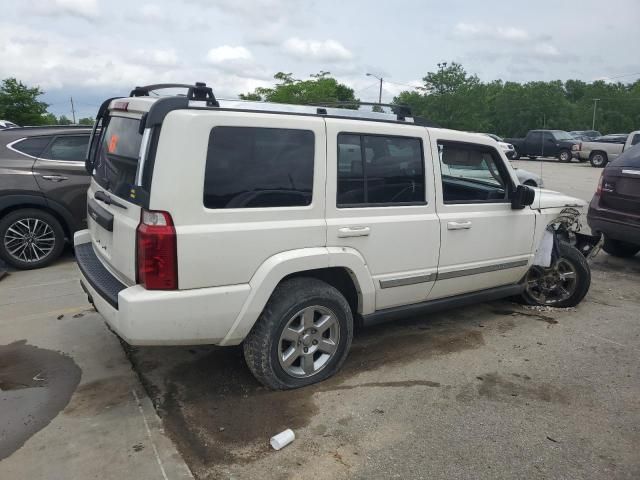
(615, 208)
(507, 148)
(280, 226)
(43, 187)
(7, 124)
(585, 135)
(545, 143)
(525, 177)
(606, 148)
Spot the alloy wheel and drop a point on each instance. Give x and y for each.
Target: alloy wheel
(29, 239)
(308, 341)
(548, 286)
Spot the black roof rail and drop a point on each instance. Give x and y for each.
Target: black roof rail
(197, 92)
(401, 111)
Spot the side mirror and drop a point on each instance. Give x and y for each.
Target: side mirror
(522, 197)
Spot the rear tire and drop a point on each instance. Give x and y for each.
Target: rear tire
(618, 248)
(30, 238)
(564, 156)
(532, 157)
(531, 183)
(287, 346)
(598, 159)
(562, 285)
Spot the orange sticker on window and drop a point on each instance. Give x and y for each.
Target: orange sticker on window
(113, 143)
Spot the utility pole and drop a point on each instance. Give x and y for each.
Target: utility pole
(595, 105)
(73, 111)
(380, 91)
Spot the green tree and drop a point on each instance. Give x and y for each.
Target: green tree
(320, 88)
(86, 121)
(49, 119)
(19, 103)
(63, 120)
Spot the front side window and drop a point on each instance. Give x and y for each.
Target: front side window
(379, 170)
(472, 174)
(73, 148)
(250, 167)
(636, 139)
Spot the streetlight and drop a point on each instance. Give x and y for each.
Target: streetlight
(379, 78)
(595, 105)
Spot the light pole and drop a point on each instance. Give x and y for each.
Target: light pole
(595, 105)
(380, 92)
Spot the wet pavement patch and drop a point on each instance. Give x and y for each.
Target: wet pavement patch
(35, 385)
(218, 414)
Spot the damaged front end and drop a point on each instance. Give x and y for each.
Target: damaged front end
(566, 227)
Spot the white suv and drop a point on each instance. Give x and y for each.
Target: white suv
(279, 226)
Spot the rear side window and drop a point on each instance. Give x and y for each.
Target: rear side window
(72, 148)
(250, 167)
(376, 170)
(117, 156)
(32, 146)
(636, 139)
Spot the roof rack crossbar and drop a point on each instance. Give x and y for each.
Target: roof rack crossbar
(197, 92)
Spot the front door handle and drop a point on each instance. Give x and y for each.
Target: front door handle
(345, 232)
(55, 178)
(458, 225)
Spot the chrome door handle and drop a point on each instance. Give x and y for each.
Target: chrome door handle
(458, 225)
(55, 178)
(345, 232)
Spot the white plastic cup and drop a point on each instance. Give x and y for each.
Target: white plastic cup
(282, 439)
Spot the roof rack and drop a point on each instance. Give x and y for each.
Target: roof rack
(198, 92)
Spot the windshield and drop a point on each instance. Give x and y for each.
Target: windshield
(117, 156)
(561, 135)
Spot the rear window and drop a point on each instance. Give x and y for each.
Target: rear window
(249, 167)
(117, 156)
(32, 146)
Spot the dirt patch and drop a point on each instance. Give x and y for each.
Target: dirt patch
(535, 316)
(35, 385)
(495, 387)
(94, 398)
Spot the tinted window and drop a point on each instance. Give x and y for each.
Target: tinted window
(472, 174)
(379, 170)
(32, 146)
(68, 148)
(251, 167)
(117, 156)
(535, 137)
(636, 139)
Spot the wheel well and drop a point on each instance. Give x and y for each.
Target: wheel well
(35, 206)
(602, 152)
(338, 277)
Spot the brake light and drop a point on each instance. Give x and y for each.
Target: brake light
(124, 106)
(600, 183)
(157, 255)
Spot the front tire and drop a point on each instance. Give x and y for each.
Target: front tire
(564, 156)
(302, 337)
(564, 284)
(598, 159)
(30, 238)
(618, 248)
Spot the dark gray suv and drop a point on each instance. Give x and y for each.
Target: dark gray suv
(43, 187)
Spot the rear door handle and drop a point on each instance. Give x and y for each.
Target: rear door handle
(458, 225)
(345, 232)
(55, 178)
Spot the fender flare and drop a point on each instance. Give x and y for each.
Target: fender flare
(277, 267)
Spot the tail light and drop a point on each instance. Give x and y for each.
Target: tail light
(600, 182)
(157, 255)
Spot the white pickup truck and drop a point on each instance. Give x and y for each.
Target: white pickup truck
(606, 148)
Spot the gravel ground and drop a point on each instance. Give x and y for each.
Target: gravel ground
(490, 391)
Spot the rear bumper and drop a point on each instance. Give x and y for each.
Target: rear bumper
(156, 317)
(600, 221)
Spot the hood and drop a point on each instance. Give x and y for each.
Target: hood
(550, 199)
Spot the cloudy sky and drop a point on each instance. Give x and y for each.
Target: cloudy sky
(93, 49)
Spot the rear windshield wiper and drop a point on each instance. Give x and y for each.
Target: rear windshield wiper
(103, 197)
